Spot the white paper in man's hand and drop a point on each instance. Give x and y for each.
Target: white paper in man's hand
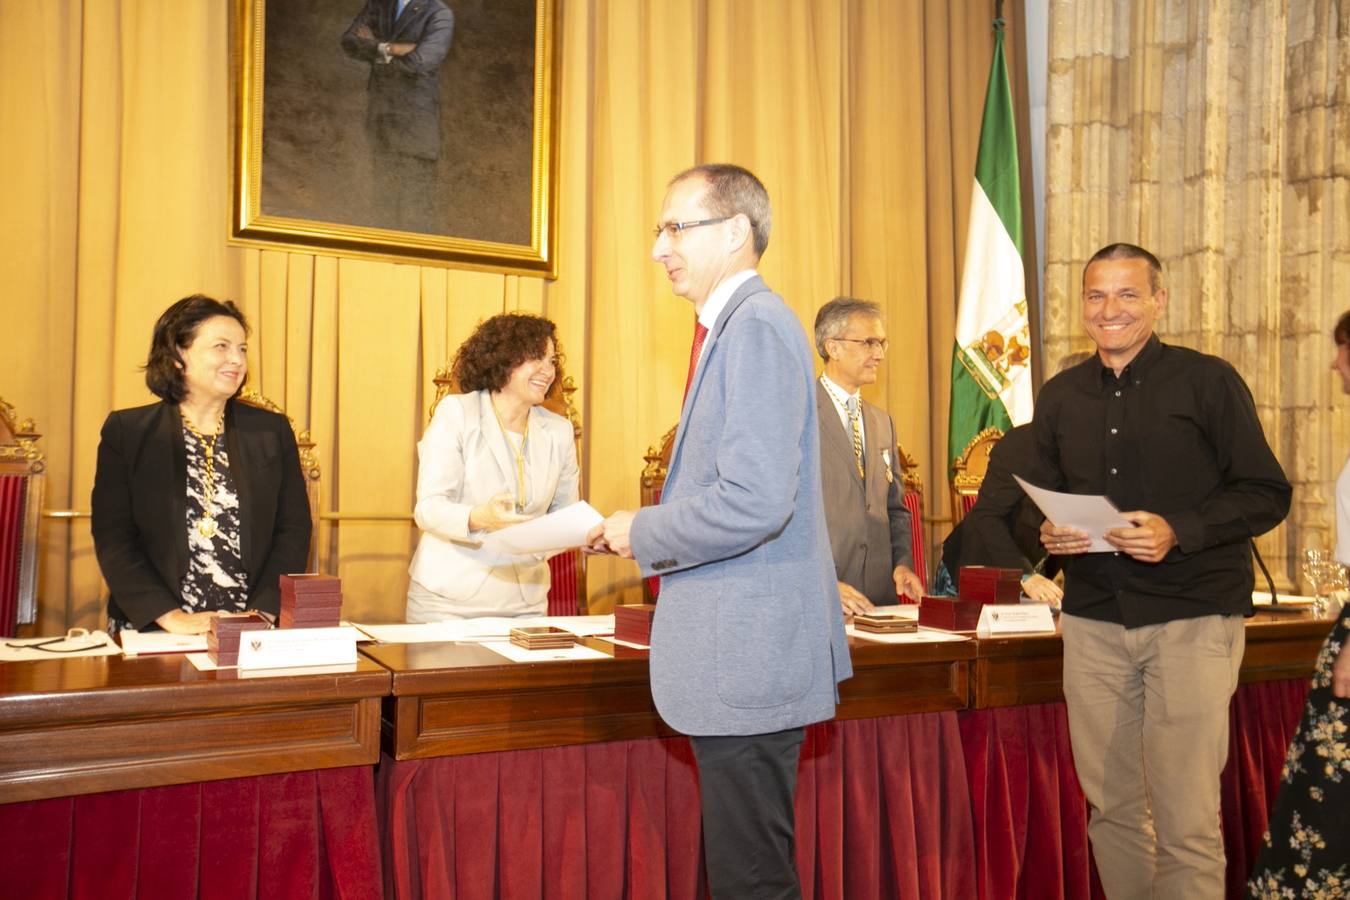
(1089, 513)
(559, 530)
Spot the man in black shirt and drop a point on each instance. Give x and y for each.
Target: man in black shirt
(1153, 634)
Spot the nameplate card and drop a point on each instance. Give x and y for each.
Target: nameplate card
(1024, 618)
(286, 647)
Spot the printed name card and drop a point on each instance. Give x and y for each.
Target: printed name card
(285, 647)
(1023, 618)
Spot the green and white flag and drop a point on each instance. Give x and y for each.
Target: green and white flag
(991, 362)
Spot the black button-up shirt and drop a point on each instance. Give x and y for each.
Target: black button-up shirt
(1175, 434)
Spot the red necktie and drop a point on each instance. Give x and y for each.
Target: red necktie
(700, 332)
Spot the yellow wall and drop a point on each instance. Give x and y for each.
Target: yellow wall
(860, 116)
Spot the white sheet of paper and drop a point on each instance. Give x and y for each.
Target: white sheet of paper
(1092, 513)
(520, 654)
(25, 652)
(922, 636)
(903, 610)
(618, 643)
(1262, 598)
(581, 626)
(144, 643)
(203, 663)
(559, 530)
(488, 628)
(491, 628)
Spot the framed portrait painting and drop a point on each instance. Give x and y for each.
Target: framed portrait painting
(416, 129)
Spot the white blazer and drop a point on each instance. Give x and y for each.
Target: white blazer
(464, 459)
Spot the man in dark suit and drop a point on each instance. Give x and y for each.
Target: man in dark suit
(748, 641)
(405, 42)
(868, 522)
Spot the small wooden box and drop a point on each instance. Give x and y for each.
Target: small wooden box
(987, 584)
(634, 623)
(949, 613)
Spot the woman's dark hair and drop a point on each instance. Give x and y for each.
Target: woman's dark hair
(1341, 333)
(174, 332)
(486, 360)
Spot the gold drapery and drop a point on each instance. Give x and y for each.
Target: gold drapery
(1215, 134)
(861, 116)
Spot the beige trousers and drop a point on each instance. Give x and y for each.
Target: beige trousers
(1148, 721)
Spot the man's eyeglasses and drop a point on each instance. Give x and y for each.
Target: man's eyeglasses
(873, 344)
(671, 229)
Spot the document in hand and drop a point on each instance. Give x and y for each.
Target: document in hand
(1093, 514)
(559, 530)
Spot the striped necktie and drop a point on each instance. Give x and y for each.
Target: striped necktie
(855, 422)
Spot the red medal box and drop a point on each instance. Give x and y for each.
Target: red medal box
(311, 584)
(222, 641)
(287, 620)
(634, 623)
(305, 614)
(314, 601)
(949, 613)
(987, 584)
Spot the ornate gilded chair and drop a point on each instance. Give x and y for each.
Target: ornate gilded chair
(309, 465)
(22, 468)
(968, 471)
(657, 460)
(913, 500)
(567, 570)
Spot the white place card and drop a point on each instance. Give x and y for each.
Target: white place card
(286, 647)
(1023, 618)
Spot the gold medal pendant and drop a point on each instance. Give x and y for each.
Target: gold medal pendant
(206, 526)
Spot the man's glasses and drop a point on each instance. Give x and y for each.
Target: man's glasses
(672, 229)
(873, 344)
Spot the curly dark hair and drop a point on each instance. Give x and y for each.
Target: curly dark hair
(1341, 333)
(175, 331)
(486, 360)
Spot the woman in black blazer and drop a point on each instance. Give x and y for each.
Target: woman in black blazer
(199, 503)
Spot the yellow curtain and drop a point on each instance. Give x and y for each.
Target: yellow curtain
(861, 116)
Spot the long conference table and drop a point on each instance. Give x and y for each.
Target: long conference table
(444, 770)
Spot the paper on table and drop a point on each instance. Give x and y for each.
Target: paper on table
(1262, 598)
(581, 626)
(618, 643)
(97, 643)
(488, 628)
(1092, 513)
(203, 663)
(903, 610)
(491, 628)
(560, 530)
(520, 654)
(144, 643)
(922, 636)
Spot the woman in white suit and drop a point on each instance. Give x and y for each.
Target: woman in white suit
(491, 457)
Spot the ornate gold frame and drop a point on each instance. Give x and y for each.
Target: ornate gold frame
(249, 226)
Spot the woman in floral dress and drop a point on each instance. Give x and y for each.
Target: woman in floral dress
(1306, 849)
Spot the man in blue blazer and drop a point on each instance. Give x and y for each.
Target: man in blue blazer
(748, 641)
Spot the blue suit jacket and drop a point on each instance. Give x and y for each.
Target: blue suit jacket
(748, 636)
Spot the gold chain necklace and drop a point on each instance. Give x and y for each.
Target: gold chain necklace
(518, 452)
(206, 525)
